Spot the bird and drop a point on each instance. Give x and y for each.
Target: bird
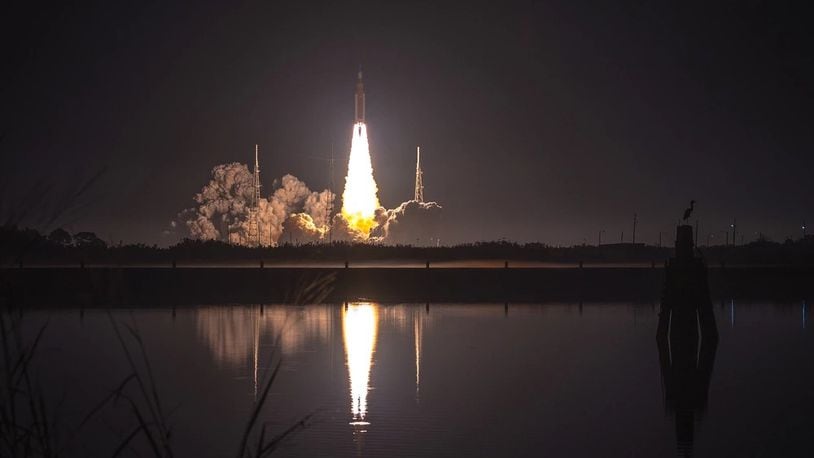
(688, 211)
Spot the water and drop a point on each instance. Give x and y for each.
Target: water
(454, 380)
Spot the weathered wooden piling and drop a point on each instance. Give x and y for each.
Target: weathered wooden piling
(686, 301)
(685, 357)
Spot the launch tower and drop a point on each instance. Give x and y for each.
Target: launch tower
(254, 220)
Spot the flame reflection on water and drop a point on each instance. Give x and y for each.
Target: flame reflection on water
(243, 337)
(360, 325)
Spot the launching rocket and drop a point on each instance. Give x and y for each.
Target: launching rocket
(360, 99)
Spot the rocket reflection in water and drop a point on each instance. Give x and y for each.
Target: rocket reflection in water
(360, 322)
(418, 337)
(236, 336)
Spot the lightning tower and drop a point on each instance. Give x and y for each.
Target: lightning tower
(419, 176)
(254, 221)
(329, 209)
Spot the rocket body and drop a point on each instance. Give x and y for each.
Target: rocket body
(360, 100)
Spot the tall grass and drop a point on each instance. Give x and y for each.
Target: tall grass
(27, 427)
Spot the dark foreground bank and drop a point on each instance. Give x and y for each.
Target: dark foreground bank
(130, 287)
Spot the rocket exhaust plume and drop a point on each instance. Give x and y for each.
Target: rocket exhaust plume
(359, 200)
(230, 208)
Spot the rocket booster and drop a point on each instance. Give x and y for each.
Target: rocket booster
(360, 99)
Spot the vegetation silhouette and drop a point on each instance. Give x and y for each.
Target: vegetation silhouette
(28, 246)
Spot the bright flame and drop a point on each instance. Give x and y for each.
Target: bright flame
(360, 323)
(359, 201)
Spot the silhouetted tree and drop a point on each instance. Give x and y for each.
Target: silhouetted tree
(89, 240)
(61, 237)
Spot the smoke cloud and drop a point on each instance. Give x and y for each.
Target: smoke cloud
(411, 223)
(223, 210)
(294, 214)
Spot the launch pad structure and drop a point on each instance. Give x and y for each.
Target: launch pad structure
(254, 220)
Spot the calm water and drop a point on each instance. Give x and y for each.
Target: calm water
(457, 380)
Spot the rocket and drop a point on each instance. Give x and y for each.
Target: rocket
(360, 99)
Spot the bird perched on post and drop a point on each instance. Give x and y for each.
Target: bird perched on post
(688, 211)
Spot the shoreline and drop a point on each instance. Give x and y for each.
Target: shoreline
(167, 286)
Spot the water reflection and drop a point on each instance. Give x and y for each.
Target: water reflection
(732, 313)
(234, 334)
(418, 335)
(686, 372)
(366, 354)
(360, 324)
(240, 336)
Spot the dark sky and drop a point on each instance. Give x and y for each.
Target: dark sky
(538, 121)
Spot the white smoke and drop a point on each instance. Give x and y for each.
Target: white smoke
(224, 204)
(221, 202)
(411, 223)
(300, 228)
(317, 205)
(294, 214)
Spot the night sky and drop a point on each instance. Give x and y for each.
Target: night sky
(537, 122)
